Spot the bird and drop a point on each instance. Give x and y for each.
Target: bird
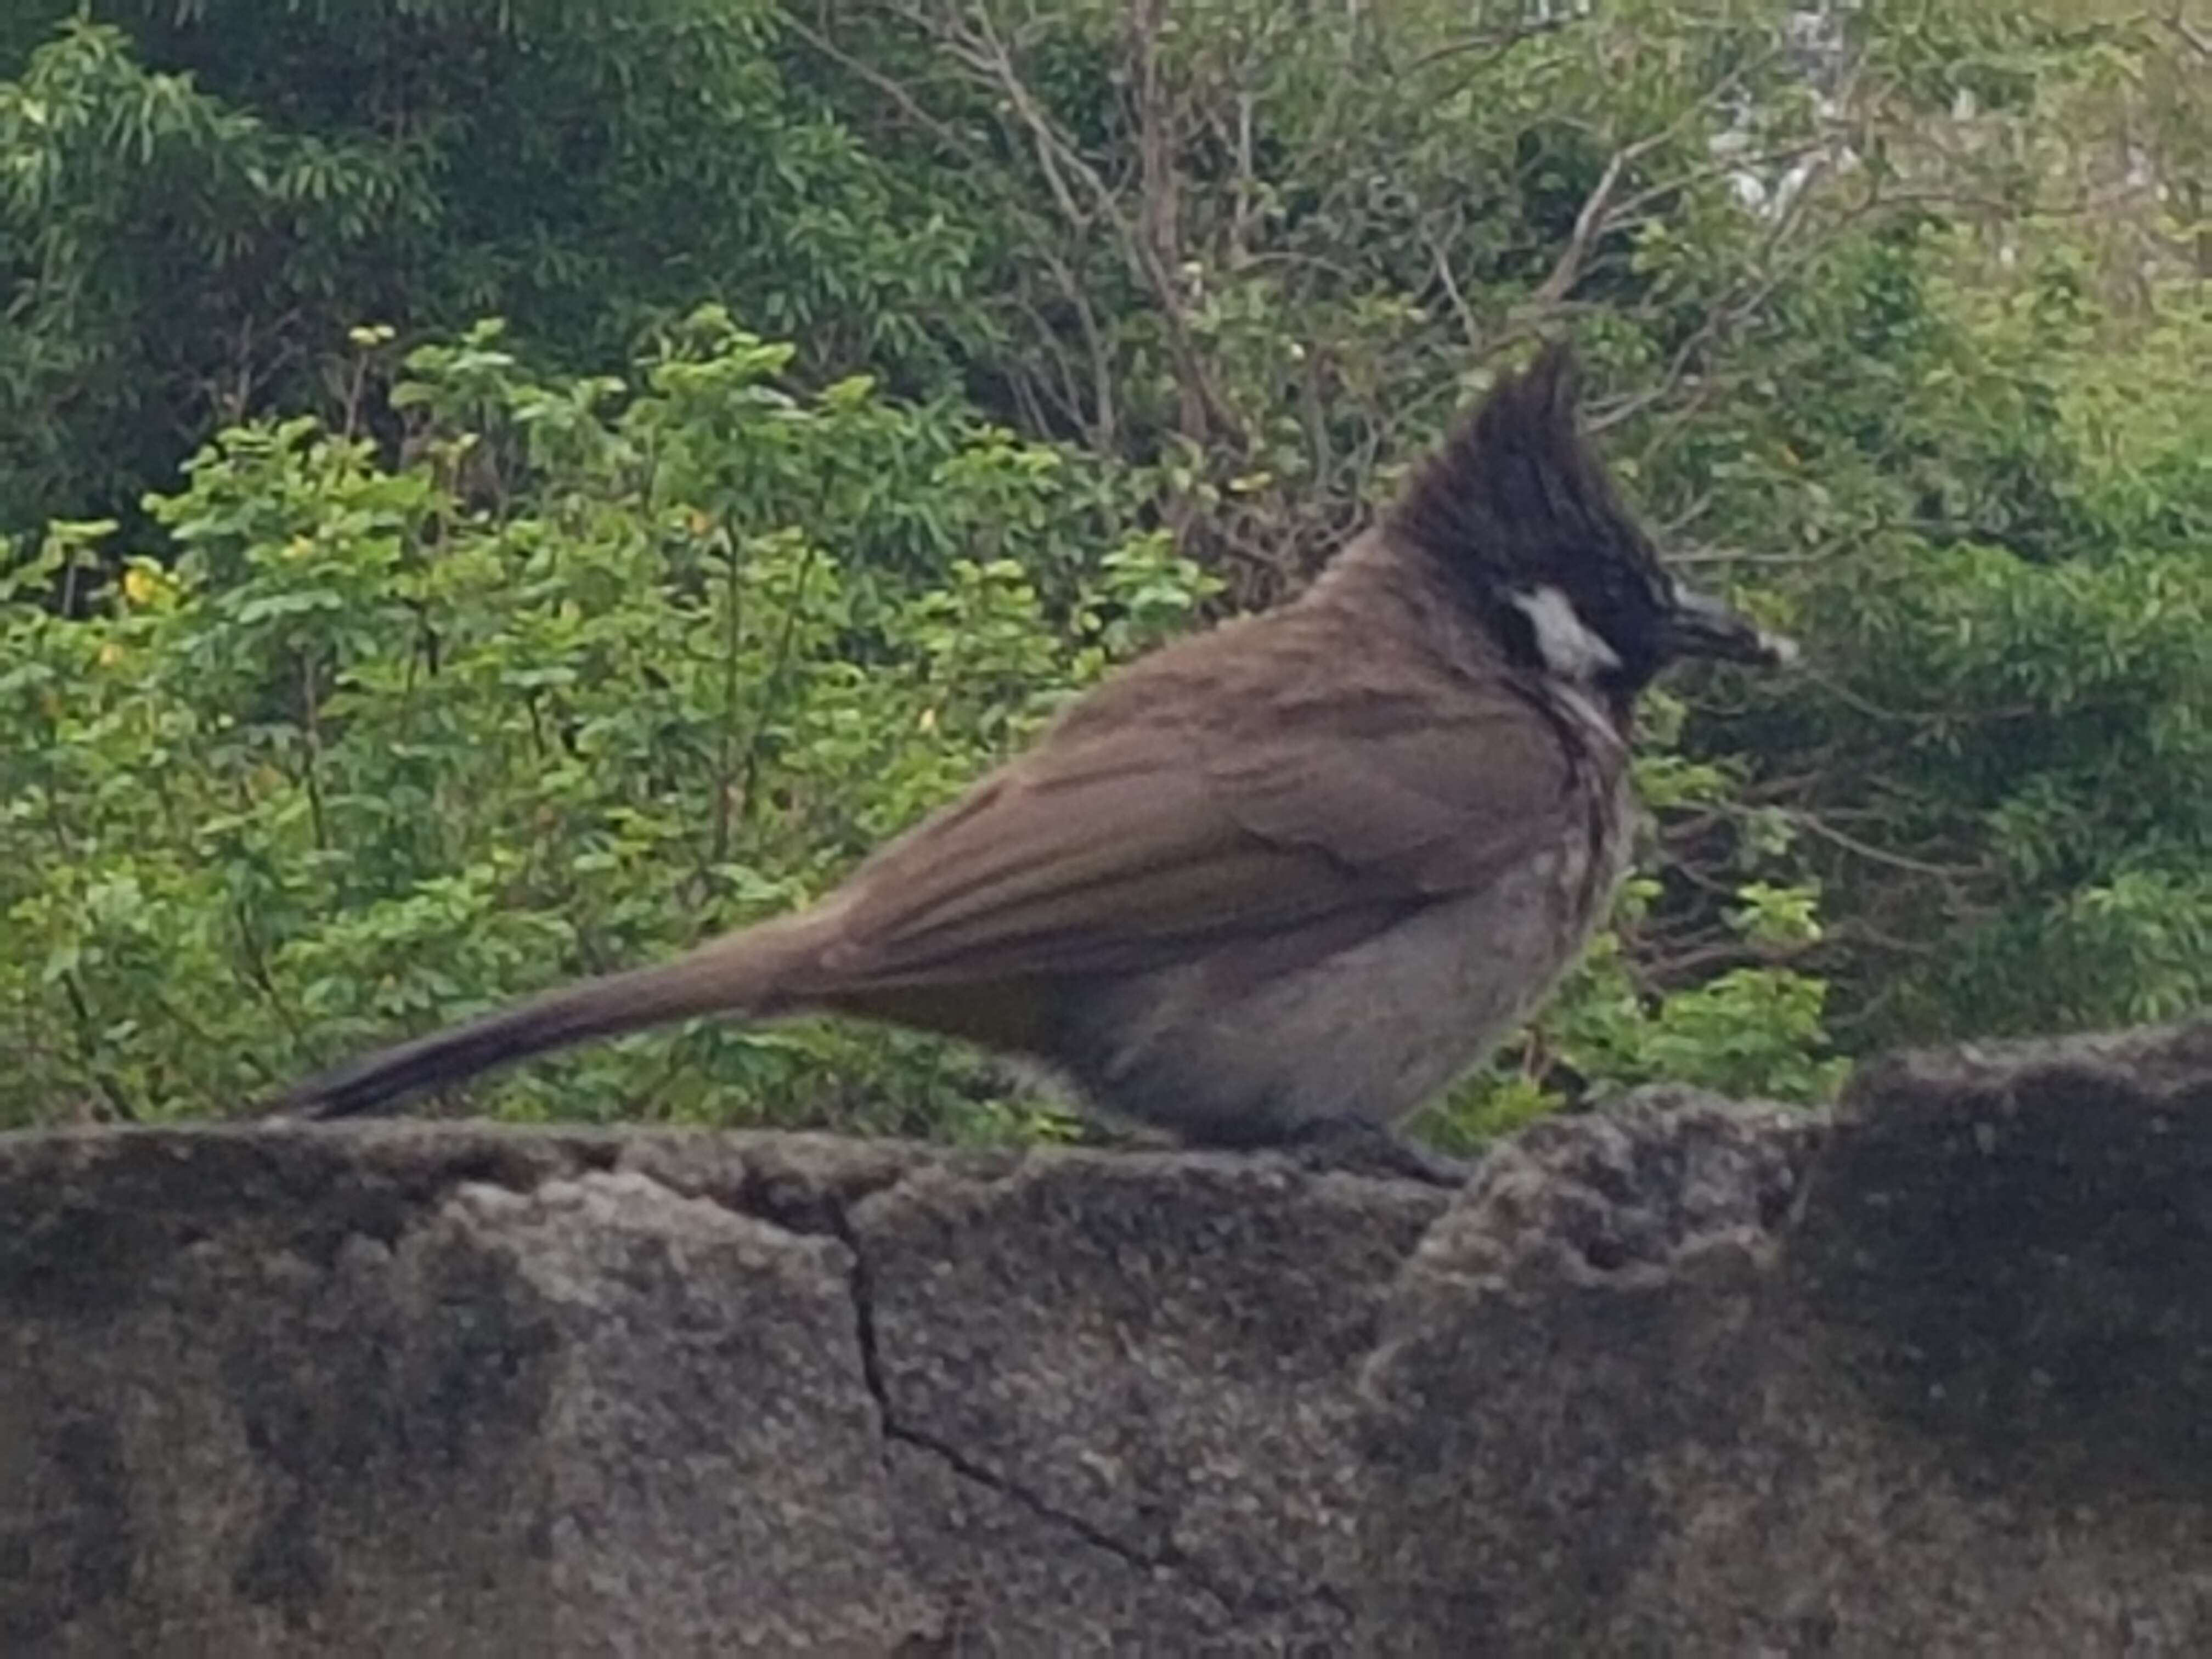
(1272, 885)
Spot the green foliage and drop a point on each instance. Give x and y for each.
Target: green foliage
(2015, 750)
(597, 672)
(195, 211)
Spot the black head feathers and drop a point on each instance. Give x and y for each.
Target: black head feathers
(1516, 492)
(1516, 509)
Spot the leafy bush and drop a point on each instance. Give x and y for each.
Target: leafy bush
(201, 198)
(596, 672)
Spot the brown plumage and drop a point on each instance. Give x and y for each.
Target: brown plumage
(1275, 883)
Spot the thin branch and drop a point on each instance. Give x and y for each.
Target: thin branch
(256, 964)
(1101, 425)
(978, 47)
(1828, 832)
(1670, 528)
(1628, 207)
(750, 773)
(88, 1048)
(1496, 42)
(1567, 269)
(1857, 928)
(732, 640)
(905, 101)
(1467, 325)
(1594, 218)
(1722, 320)
(311, 732)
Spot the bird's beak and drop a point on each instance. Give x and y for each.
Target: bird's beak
(1703, 627)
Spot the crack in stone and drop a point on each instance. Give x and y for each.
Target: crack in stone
(1234, 1607)
(871, 1374)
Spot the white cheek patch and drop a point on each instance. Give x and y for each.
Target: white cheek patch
(1570, 646)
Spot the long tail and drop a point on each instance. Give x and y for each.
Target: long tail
(747, 973)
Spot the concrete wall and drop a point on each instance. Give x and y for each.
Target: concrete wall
(1934, 1377)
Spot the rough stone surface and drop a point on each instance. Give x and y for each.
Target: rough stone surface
(1931, 1375)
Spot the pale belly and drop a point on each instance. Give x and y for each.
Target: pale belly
(1369, 1033)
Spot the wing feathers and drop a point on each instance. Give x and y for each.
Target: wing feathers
(1118, 849)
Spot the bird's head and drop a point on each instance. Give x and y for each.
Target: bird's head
(1523, 518)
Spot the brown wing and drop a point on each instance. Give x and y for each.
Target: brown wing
(1120, 844)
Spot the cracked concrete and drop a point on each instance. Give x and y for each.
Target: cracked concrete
(1929, 1377)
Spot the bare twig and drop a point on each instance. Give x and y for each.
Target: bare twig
(1828, 832)
(1721, 321)
(1597, 214)
(1629, 206)
(1100, 424)
(1494, 42)
(1084, 198)
(732, 640)
(88, 1050)
(311, 734)
(1241, 215)
(1467, 325)
(749, 766)
(254, 959)
(1567, 269)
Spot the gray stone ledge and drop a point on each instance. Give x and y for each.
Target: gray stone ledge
(1931, 1375)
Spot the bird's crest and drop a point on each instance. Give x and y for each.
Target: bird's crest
(1517, 495)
